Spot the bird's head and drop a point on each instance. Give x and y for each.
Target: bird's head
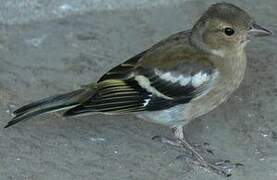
(224, 27)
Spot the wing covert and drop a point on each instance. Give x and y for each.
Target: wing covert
(166, 75)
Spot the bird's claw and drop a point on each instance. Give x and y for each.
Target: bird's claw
(222, 167)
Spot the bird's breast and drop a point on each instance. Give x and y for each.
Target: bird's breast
(228, 80)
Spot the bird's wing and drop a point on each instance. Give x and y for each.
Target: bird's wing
(148, 82)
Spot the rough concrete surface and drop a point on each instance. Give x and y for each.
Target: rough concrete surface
(42, 54)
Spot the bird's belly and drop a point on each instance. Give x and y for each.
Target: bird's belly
(206, 104)
(169, 117)
(184, 113)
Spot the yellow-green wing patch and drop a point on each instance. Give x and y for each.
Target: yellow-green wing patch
(117, 96)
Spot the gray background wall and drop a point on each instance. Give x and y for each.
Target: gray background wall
(48, 47)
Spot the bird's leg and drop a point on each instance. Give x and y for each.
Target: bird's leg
(219, 167)
(176, 142)
(179, 134)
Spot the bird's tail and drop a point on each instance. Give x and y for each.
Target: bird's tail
(50, 104)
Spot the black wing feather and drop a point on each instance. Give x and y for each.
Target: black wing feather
(118, 91)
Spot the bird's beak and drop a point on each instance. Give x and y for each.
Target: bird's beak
(258, 31)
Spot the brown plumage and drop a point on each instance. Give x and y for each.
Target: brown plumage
(176, 80)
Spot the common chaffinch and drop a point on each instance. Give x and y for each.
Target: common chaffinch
(175, 81)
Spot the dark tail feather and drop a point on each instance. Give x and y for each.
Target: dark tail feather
(46, 101)
(50, 104)
(23, 117)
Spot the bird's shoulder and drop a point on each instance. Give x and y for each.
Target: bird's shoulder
(176, 54)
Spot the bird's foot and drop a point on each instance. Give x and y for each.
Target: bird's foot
(221, 167)
(173, 142)
(224, 167)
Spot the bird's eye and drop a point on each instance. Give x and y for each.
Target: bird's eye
(229, 31)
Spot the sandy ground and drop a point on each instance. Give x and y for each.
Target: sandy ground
(42, 53)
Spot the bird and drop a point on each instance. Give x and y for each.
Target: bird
(173, 82)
